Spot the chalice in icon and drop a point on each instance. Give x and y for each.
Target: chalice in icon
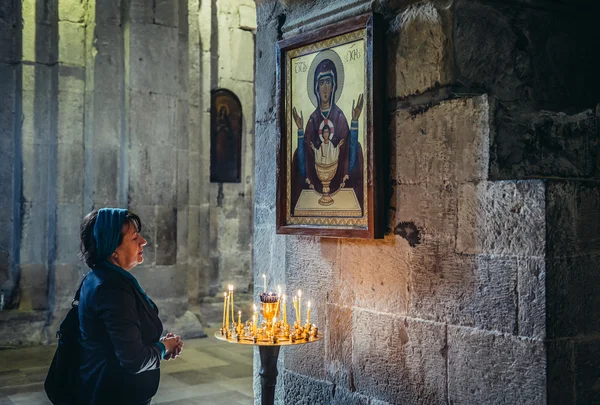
(325, 173)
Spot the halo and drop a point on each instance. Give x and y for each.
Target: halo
(331, 129)
(339, 67)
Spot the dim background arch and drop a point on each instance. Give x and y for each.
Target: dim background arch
(225, 137)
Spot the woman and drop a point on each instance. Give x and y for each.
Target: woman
(121, 344)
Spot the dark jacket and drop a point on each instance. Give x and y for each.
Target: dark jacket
(119, 328)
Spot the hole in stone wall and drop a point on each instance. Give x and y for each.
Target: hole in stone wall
(409, 231)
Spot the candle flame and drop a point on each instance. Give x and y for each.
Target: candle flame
(308, 304)
(225, 294)
(239, 312)
(299, 293)
(254, 307)
(230, 287)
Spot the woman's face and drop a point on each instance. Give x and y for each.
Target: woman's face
(130, 252)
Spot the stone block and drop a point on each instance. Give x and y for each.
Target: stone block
(227, 234)
(432, 209)
(39, 40)
(242, 46)
(265, 169)
(162, 282)
(68, 221)
(571, 294)
(416, 349)
(148, 216)
(182, 178)
(71, 79)
(140, 176)
(264, 216)
(166, 235)
(448, 142)
(531, 290)
(71, 44)
(263, 241)
(70, 118)
(235, 269)
(561, 372)
(153, 120)
(197, 126)
(73, 10)
(106, 126)
(245, 229)
(265, 60)
(310, 265)
(33, 285)
(67, 278)
(344, 397)
(198, 226)
(152, 174)
(420, 51)
(573, 218)
(486, 50)
(300, 389)
(35, 172)
(24, 328)
(106, 181)
(109, 12)
(486, 367)
(187, 326)
(8, 32)
(506, 218)
(164, 166)
(34, 233)
(153, 50)
(338, 353)
(475, 291)
(183, 124)
(544, 143)
(182, 234)
(108, 62)
(141, 11)
(247, 17)
(587, 371)
(166, 12)
(373, 275)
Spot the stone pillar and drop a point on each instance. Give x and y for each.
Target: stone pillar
(10, 149)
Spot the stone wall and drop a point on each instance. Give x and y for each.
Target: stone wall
(494, 160)
(107, 103)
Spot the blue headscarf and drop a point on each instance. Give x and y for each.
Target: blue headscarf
(107, 232)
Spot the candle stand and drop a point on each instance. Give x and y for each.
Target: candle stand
(269, 336)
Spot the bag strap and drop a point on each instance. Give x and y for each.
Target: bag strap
(76, 298)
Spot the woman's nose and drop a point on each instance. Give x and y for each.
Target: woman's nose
(144, 242)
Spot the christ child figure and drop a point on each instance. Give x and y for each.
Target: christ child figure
(326, 153)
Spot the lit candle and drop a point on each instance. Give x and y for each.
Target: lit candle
(231, 295)
(227, 313)
(299, 307)
(224, 308)
(296, 309)
(308, 313)
(239, 318)
(264, 282)
(284, 312)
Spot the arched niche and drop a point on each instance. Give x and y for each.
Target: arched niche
(225, 137)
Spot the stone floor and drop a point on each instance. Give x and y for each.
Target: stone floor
(208, 372)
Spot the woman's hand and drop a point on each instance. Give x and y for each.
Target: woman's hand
(173, 345)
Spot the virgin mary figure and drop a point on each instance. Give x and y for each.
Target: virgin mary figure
(349, 173)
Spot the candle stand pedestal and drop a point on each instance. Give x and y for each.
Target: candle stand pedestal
(269, 353)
